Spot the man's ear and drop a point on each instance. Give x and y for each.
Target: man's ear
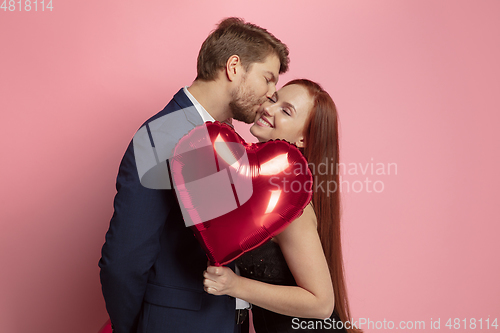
(233, 67)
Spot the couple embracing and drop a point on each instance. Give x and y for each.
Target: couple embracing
(154, 274)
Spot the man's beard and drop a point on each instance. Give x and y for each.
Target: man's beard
(243, 104)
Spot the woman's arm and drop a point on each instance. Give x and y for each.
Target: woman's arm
(311, 298)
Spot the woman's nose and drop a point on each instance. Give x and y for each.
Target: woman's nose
(268, 109)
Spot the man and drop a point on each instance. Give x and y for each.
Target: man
(152, 266)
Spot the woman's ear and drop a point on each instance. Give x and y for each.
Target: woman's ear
(300, 143)
(233, 66)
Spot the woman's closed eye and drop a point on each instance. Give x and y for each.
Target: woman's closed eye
(286, 112)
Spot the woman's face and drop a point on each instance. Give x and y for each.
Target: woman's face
(285, 119)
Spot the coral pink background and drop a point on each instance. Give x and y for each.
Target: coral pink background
(416, 83)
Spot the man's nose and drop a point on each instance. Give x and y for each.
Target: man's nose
(271, 91)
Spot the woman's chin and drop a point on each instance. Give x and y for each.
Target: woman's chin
(254, 130)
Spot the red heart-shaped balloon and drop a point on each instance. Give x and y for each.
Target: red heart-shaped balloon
(236, 196)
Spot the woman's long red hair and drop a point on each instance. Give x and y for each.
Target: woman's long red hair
(321, 145)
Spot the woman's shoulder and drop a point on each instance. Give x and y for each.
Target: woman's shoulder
(308, 217)
(305, 221)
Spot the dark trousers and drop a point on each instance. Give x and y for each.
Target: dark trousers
(243, 328)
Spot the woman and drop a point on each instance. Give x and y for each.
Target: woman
(299, 273)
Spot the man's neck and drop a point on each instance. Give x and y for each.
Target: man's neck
(213, 96)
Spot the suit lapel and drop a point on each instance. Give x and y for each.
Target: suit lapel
(188, 108)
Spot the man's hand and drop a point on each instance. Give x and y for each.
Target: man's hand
(220, 280)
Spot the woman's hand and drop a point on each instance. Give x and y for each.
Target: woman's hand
(220, 280)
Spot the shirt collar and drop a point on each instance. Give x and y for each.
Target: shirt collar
(201, 110)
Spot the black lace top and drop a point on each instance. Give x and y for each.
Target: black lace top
(267, 264)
